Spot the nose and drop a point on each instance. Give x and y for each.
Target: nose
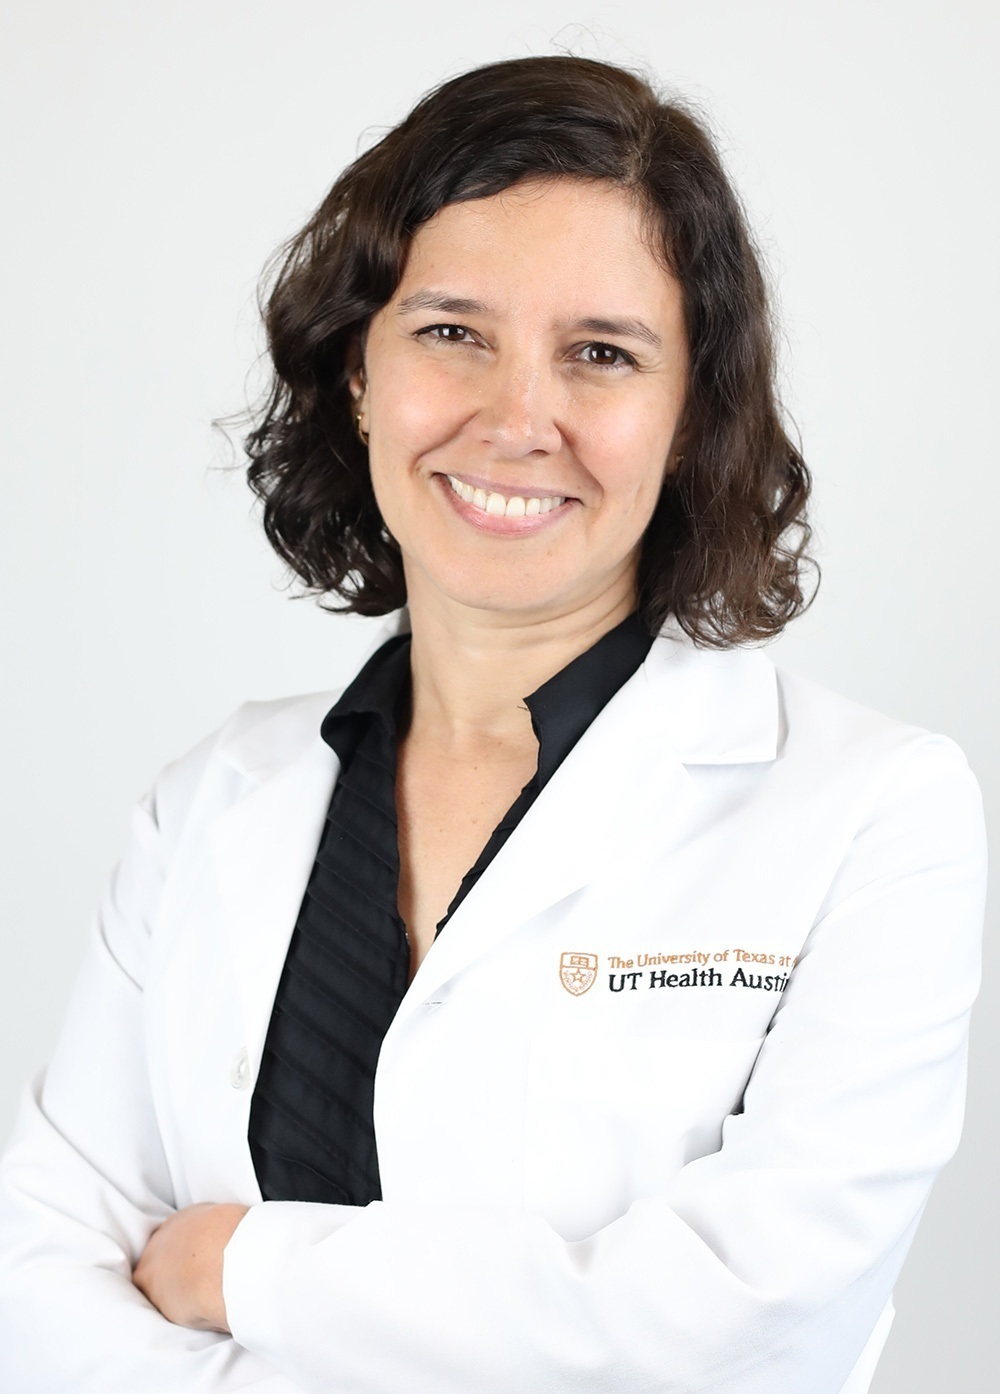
(518, 415)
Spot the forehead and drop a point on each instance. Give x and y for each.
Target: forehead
(553, 237)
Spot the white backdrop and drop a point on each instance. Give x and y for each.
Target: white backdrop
(154, 156)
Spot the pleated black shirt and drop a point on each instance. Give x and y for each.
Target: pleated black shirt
(311, 1130)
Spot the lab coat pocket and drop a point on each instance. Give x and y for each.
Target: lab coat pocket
(610, 1118)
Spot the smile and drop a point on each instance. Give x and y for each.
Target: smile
(499, 506)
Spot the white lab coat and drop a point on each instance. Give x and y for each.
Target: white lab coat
(624, 1145)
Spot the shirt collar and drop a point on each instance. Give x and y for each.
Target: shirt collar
(562, 708)
(377, 691)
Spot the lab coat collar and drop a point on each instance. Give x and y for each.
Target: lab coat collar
(717, 706)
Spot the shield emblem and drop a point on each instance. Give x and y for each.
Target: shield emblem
(578, 972)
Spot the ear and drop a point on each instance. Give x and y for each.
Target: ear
(678, 446)
(354, 362)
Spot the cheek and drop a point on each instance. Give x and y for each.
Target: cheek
(411, 418)
(644, 492)
(629, 455)
(637, 422)
(418, 410)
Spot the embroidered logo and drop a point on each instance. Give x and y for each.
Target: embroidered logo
(578, 972)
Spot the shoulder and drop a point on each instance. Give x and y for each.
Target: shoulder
(261, 736)
(257, 740)
(906, 788)
(255, 743)
(737, 706)
(817, 720)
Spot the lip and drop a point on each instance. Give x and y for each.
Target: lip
(509, 491)
(502, 526)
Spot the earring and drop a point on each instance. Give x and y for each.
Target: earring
(362, 434)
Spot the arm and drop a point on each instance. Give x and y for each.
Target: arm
(84, 1182)
(761, 1268)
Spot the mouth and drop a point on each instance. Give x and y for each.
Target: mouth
(528, 504)
(517, 513)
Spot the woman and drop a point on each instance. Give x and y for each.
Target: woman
(575, 1002)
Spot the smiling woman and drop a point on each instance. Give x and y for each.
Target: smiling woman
(417, 1047)
(468, 422)
(599, 284)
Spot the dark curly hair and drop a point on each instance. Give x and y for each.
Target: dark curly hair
(725, 549)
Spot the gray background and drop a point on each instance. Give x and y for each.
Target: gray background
(153, 156)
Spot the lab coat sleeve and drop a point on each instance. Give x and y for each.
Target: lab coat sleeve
(84, 1182)
(761, 1268)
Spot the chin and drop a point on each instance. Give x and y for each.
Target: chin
(502, 602)
(504, 594)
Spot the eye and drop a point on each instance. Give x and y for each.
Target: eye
(445, 333)
(598, 355)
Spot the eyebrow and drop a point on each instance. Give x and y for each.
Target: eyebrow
(433, 300)
(624, 326)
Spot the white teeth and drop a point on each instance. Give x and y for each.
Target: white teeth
(497, 506)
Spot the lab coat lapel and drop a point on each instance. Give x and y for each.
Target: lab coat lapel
(589, 813)
(628, 778)
(263, 849)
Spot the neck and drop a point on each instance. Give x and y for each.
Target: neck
(472, 669)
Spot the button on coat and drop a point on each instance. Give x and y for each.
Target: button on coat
(239, 1073)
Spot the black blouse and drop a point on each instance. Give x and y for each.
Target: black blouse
(312, 1133)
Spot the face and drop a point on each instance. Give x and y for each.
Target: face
(522, 392)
